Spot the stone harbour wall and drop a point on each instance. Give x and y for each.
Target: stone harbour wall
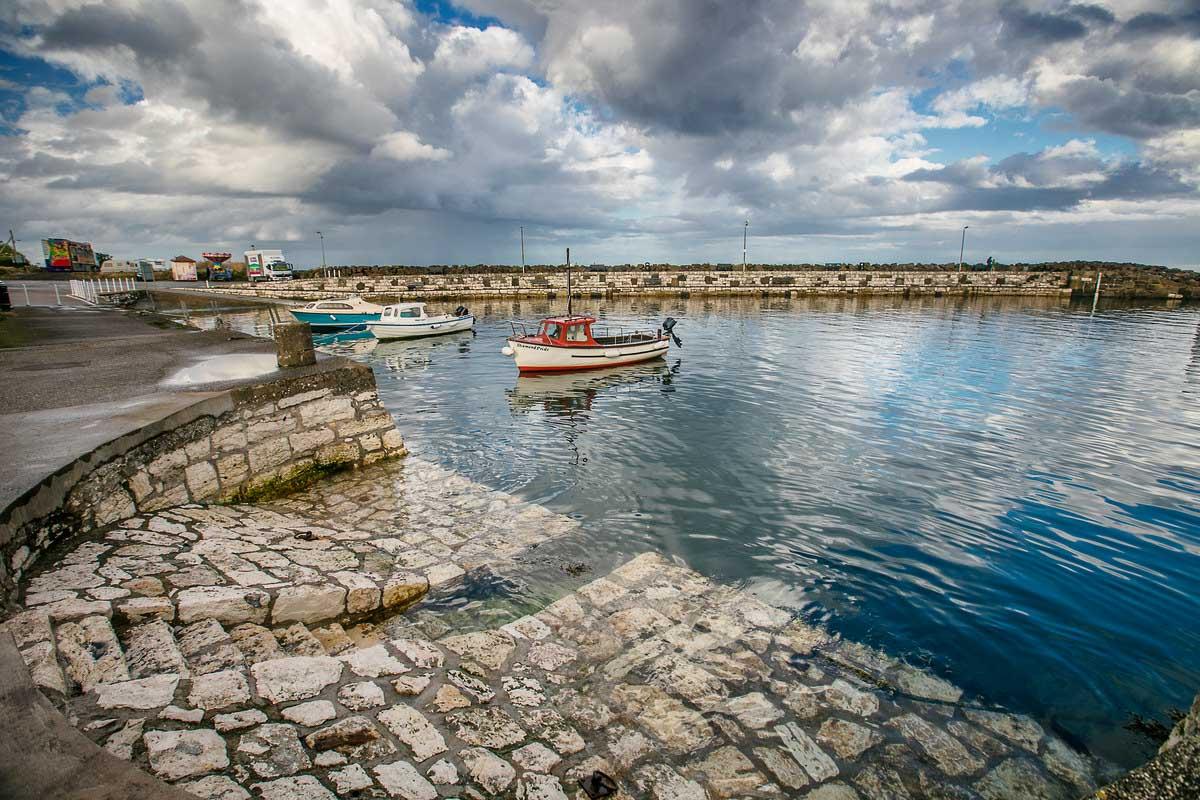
(250, 442)
(665, 283)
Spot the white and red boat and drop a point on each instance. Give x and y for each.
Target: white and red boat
(563, 344)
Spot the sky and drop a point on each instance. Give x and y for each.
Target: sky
(430, 132)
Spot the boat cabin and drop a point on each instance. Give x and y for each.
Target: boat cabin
(566, 331)
(351, 303)
(403, 311)
(577, 331)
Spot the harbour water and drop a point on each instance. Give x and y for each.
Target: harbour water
(1004, 490)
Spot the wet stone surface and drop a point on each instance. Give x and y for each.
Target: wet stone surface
(675, 686)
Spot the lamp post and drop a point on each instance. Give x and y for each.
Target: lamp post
(522, 249)
(962, 247)
(745, 231)
(323, 267)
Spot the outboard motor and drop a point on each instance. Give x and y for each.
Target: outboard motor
(461, 311)
(668, 327)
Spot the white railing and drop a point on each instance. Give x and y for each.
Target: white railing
(93, 291)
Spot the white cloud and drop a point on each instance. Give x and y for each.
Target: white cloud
(465, 52)
(405, 146)
(994, 94)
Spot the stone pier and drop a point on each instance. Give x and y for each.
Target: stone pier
(257, 650)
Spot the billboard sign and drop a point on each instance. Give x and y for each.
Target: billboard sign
(63, 255)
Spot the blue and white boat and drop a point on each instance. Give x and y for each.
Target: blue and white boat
(345, 312)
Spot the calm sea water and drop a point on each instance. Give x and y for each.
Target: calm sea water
(1007, 491)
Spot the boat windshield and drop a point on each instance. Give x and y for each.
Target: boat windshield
(577, 333)
(553, 330)
(334, 305)
(410, 313)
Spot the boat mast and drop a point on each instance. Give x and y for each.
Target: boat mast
(568, 281)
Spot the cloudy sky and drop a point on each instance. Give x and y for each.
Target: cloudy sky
(428, 132)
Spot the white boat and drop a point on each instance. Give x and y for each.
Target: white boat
(342, 312)
(409, 321)
(566, 344)
(563, 344)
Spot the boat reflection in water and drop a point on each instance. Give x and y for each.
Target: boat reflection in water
(567, 392)
(347, 343)
(401, 355)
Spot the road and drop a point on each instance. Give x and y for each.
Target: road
(53, 293)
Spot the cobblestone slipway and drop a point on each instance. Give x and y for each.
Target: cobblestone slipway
(258, 651)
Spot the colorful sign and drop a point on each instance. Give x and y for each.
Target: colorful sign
(63, 255)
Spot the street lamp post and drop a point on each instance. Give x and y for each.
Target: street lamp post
(962, 247)
(745, 231)
(324, 269)
(522, 249)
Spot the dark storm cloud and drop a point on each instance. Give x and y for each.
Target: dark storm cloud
(708, 67)
(244, 70)
(1040, 26)
(1092, 14)
(158, 34)
(363, 187)
(43, 165)
(1127, 110)
(1046, 181)
(1157, 24)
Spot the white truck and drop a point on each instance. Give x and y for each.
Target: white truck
(267, 265)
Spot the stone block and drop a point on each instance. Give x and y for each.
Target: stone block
(198, 450)
(218, 690)
(140, 486)
(362, 595)
(325, 411)
(233, 469)
(375, 422)
(268, 429)
(401, 779)
(393, 442)
(296, 678)
(310, 440)
(202, 480)
(114, 506)
(308, 603)
(229, 438)
(294, 345)
(269, 454)
(182, 754)
(141, 693)
(228, 605)
(303, 397)
(404, 589)
(168, 463)
(141, 609)
(338, 453)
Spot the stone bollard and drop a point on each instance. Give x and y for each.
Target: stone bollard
(294, 345)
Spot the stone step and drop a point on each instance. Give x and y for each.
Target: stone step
(297, 640)
(207, 647)
(34, 637)
(334, 639)
(90, 652)
(256, 643)
(151, 649)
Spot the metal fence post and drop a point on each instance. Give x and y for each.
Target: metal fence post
(26, 287)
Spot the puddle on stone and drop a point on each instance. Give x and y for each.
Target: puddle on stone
(217, 369)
